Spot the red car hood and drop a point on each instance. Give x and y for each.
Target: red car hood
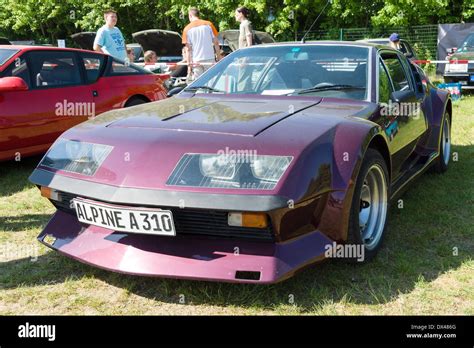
(224, 115)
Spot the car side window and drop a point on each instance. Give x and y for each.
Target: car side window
(54, 69)
(385, 86)
(19, 68)
(409, 51)
(119, 68)
(93, 65)
(404, 49)
(396, 72)
(419, 76)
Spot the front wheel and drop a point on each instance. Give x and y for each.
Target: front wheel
(369, 207)
(441, 164)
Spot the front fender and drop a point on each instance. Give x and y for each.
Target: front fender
(334, 161)
(351, 142)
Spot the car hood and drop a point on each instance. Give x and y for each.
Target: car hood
(85, 40)
(225, 115)
(163, 42)
(231, 38)
(149, 140)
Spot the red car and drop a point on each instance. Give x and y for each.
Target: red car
(45, 91)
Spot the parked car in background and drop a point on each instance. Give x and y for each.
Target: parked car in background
(4, 41)
(137, 52)
(254, 171)
(229, 39)
(166, 44)
(45, 91)
(84, 40)
(405, 47)
(462, 72)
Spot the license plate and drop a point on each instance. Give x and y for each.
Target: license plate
(464, 83)
(460, 68)
(124, 219)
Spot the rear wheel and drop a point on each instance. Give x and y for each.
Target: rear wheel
(442, 162)
(135, 101)
(369, 206)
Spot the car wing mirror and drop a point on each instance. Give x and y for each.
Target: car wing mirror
(12, 84)
(400, 96)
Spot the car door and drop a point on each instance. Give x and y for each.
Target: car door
(94, 66)
(55, 101)
(401, 112)
(12, 119)
(120, 81)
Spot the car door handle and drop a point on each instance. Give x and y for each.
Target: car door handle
(95, 93)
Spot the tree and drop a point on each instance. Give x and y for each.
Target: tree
(49, 20)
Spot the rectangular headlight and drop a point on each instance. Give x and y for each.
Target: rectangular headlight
(76, 156)
(259, 172)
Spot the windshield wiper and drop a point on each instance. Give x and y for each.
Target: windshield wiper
(207, 88)
(327, 88)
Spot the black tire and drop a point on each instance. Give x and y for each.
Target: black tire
(442, 162)
(373, 162)
(135, 101)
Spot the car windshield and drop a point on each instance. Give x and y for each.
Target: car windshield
(303, 69)
(468, 44)
(6, 54)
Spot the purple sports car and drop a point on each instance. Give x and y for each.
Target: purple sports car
(272, 159)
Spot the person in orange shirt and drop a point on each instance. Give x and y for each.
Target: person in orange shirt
(202, 46)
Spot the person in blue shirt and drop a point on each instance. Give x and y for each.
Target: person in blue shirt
(109, 38)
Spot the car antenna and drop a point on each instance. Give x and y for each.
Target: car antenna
(312, 25)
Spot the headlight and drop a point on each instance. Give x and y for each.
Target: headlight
(217, 166)
(76, 156)
(270, 168)
(222, 171)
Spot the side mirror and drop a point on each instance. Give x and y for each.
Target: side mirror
(12, 84)
(175, 91)
(401, 96)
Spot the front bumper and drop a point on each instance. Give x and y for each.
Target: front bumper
(154, 197)
(185, 257)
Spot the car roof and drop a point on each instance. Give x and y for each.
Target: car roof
(322, 43)
(382, 39)
(375, 40)
(26, 48)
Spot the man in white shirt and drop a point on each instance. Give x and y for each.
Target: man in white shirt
(202, 46)
(109, 38)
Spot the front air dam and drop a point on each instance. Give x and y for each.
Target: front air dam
(183, 257)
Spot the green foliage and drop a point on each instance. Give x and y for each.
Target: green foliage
(424, 53)
(49, 20)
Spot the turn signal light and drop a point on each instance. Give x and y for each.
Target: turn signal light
(256, 220)
(49, 193)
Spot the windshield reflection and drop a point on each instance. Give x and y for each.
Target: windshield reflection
(290, 70)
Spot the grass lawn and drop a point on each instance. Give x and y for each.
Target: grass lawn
(425, 267)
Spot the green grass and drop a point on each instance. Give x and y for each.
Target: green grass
(416, 272)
